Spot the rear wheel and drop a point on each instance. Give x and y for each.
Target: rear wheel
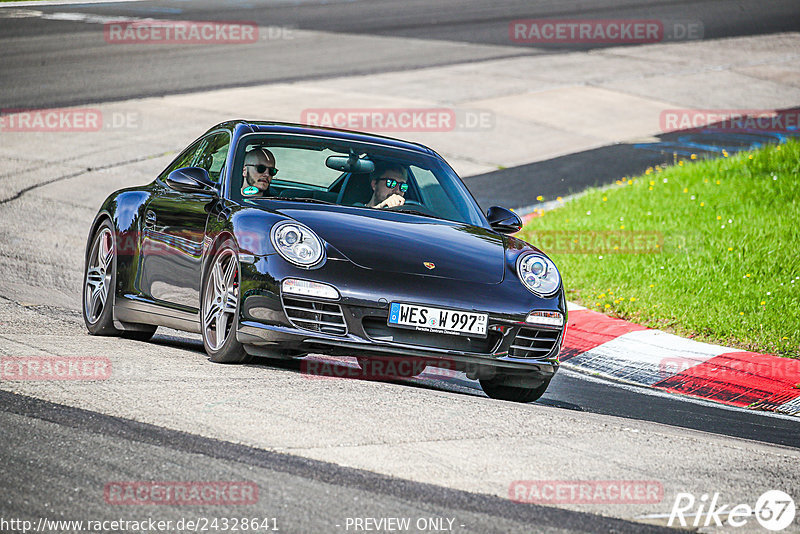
(496, 389)
(220, 306)
(98, 290)
(98, 297)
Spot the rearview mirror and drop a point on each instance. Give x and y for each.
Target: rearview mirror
(350, 163)
(503, 220)
(191, 180)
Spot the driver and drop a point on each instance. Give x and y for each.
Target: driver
(389, 186)
(259, 168)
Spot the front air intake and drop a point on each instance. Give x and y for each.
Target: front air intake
(534, 343)
(323, 317)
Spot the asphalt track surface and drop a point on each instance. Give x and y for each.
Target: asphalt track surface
(292, 490)
(52, 62)
(566, 175)
(53, 453)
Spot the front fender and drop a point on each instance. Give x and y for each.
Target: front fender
(251, 227)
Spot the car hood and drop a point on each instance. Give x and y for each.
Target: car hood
(402, 243)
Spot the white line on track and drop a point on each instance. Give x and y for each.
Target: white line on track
(69, 17)
(47, 3)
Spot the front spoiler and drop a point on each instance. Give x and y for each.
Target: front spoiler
(262, 339)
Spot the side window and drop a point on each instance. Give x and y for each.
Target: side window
(213, 154)
(184, 160)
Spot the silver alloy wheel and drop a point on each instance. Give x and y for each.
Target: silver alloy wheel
(221, 299)
(98, 275)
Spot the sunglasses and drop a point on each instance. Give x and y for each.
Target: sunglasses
(391, 183)
(261, 168)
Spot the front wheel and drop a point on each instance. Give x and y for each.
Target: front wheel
(495, 389)
(220, 306)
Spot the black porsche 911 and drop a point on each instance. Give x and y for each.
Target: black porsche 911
(282, 240)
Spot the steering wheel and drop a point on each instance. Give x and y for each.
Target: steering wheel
(414, 205)
(408, 203)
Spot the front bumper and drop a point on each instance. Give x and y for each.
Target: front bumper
(265, 327)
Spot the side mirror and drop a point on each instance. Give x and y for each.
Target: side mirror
(191, 180)
(503, 220)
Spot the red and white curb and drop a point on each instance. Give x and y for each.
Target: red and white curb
(613, 348)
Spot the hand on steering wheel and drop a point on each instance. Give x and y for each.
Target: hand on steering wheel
(392, 202)
(413, 206)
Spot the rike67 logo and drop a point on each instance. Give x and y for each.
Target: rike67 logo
(774, 510)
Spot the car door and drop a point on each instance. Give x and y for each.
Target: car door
(174, 229)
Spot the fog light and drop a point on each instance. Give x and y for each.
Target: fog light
(547, 318)
(309, 289)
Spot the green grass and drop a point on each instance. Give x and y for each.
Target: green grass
(717, 249)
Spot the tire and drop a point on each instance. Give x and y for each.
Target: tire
(99, 278)
(99, 281)
(219, 307)
(495, 389)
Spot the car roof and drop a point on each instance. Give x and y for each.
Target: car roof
(274, 127)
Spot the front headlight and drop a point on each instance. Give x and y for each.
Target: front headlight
(297, 244)
(538, 274)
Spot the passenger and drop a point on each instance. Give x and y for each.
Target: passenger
(389, 186)
(259, 168)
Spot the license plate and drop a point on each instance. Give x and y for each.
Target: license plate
(438, 320)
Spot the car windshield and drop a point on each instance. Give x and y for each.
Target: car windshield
(360, 175)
